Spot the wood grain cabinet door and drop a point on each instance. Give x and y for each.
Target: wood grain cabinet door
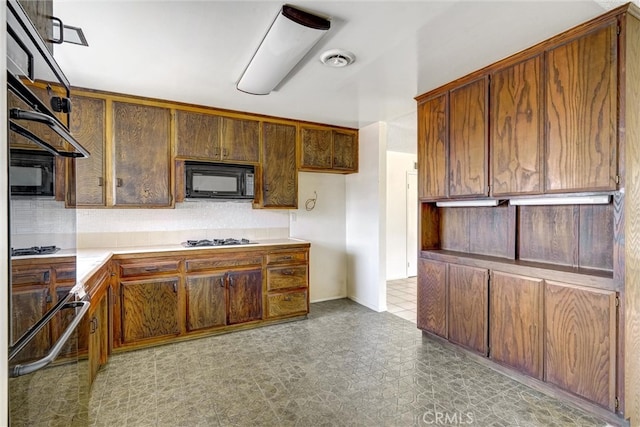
(240, 140)
(345, 151)
(432, 297)
(468, 139)
(468, 307)
(149, 308)
(433, 143)
(515, 322)
(315, 148)
(516, 129)
(580, 341)
(88, 127)
(197, 135)
(206, 301)
(245, 296)
(142, 155)
(581, 114)
(279, 174)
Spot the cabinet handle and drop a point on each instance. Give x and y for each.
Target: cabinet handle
(100, 181)
(225, 153)
(118, 182)
(288, 272)
(230, 281)
(152, 268)
(266, 188)
(93, 325)
(287, 298)
(286, 258)
(175, 287)
(221, 283)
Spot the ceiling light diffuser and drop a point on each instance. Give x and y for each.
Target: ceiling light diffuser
(291, 35)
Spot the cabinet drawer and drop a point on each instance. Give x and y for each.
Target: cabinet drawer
(286, 257)
(149, 268)
(36, 276)
(287, 303)
(65, 274)
(286, 277)
(222, 262)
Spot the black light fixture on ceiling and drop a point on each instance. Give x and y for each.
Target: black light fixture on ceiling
(291, 35)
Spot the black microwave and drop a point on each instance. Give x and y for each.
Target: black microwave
(219, 181)
(32, 173)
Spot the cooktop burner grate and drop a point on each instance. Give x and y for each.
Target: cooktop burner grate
(35, 250)
(217, 242)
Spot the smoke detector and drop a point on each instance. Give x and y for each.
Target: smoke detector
(337, 58)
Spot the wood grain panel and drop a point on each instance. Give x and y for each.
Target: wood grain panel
(596, 237)
(88, 120)
(515, 321)
(468, 307)
(142, 155)
(429, 226)
(222, 261)
(286, 277)
(240, 140)
(40, 13)
(146, 268)
(454, 229)
(149, 308)
(279, 174)
(516, 129)
(468, 141)
(580, 341)
(631, 206)
(581, 115)
(197, 135)
(274, 258)
(432, 297)
(206, 301)
(287, 304)
(316, 148)
(345, 151)
(28, 305)
(245, 296)
(549, 234)
(490, 232)
(433, 142)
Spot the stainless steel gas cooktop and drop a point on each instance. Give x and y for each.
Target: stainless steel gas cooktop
(217, 242)
(35, 250)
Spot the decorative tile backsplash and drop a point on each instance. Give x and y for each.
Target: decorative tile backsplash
(189, 220)
(42, 222)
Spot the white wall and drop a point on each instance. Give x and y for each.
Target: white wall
(365, 216)
(324, 226)
(398, 164)
(4, 244)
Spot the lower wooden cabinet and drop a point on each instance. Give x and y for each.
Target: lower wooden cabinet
(98, 336)
(432, 297)
(287, 283)
(515, 322)
(468, 306)
(149, 308)
(580, 341)
(206, 301)
(245, 296)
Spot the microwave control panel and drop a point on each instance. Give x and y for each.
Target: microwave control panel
(249, 184)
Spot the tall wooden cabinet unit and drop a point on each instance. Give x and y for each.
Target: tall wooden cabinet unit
(279, 173)
(560, 305)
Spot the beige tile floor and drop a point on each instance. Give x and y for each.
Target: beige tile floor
(402, 297)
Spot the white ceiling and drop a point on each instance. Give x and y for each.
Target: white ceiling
(195, 51)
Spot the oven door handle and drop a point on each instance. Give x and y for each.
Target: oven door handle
(24, 369)
(35, 116)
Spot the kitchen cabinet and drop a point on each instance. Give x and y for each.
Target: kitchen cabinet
(324, 149)
(142, 155)
(468, 306)
(31, 302)
(279, 174)
(149, 308)
(468, 140)
(40, 13)
(433, 148)
(516, 145)
(97, 325)
(287, 283)
(245, 295)
(212, 137)
(580, 341)
(88, 125)
(515, 322)
(432, 297)
(206, 301)
(581, 112)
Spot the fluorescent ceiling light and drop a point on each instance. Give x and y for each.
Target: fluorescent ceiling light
(291, 35)
(467, 203)
(565, 200)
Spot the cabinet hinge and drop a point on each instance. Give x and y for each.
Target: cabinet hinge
(618, 29)
(617, 179)
(488, 189)
(617, 301)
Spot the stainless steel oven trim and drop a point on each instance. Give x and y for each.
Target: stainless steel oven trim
(27, 368)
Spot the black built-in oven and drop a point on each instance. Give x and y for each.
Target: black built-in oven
(46, 384)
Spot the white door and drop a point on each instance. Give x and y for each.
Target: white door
(412, 223)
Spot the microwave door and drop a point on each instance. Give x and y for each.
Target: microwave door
(216, 184)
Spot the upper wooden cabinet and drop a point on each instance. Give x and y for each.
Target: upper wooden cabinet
(279, 175)
(516, 149)
(217, 138)
(581, 115)
(433, 148)
(325, 149)
(142, 155)
(88, 117)
(468, 149)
